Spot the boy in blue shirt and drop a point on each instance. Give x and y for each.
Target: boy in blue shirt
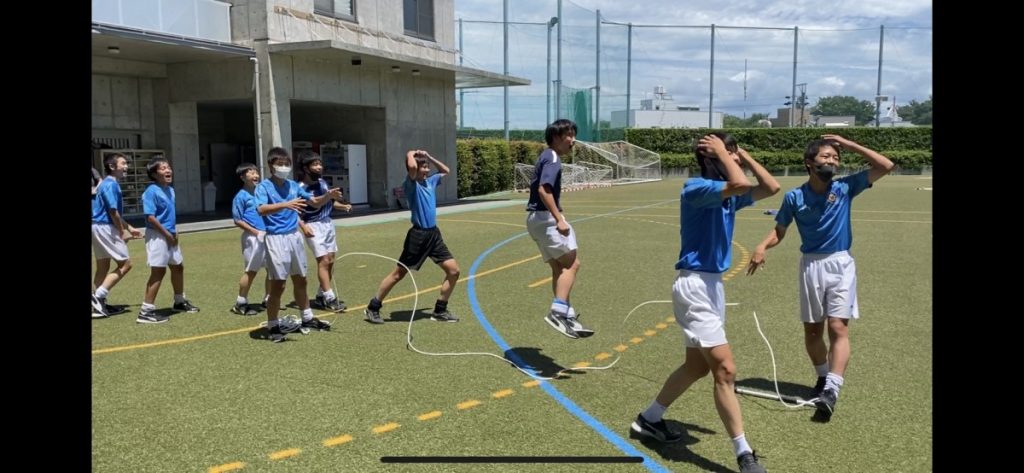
(423, 239)
(828, 275)
(108, 235)
(254, 248)
(279, 200)
(162, 248)
(707, 216)
(318, 228)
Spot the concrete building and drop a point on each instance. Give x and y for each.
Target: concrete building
(178, 76)
(660, 111)
(799, 119)
(827, 121)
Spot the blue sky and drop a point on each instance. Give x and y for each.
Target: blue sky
(837, 52)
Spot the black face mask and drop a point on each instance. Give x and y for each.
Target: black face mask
(825, 172)
(314, 175)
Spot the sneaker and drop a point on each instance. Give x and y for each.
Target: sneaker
(243, 309)
(150, 317)
(318, 303)
(289, 324)
(748, 463)
(264, 303)
(316, 324)
(656, 430)
(444, 317)
(577, 327)
(819, 386)
(372, 316)
(113, 309)
(561, 324)
(185, 306)
(826, 404)
(98, 311)
(336, 305)
(276, 335)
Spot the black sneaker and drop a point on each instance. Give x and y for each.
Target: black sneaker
(826, 405)
(276, 335)
(113, 309)
(444, 317)
(150, 317)
(577, 327)
(98, 311)
(819, 386)
(318, 303)
(336, 305)
(656, 430)
(372, 316)
(316, 324)
(185, 306)
(561, 324)
(748, 463)
(243, 309)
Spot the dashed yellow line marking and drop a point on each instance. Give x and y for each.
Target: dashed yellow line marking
(636, 340)
(540, 282)
(650, 333)
(380, 429)
(226, 467)
(530, 384)
(429, 415)
(661, 325)
(620, 348)
(581, 364)
(502, 393)
(337, 440)
(602, 356)
(282, 454)
(670, 319)
(468, 404)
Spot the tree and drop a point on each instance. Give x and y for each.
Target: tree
(732, 121)
(838, 105)
(918, 113)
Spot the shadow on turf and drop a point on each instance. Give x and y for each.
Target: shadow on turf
(785, 388)
(403, 315)
(678, 451)
(542, 365)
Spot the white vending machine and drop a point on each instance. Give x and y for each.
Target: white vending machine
(345, 167)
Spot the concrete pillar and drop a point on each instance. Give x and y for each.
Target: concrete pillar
(184, 156)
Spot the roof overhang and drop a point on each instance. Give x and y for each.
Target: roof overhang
(149, 46)
(465, 77)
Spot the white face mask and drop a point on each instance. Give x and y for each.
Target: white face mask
(282, 172)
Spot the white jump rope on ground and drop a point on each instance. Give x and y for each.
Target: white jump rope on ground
(797, 402)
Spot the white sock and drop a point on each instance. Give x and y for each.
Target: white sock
(307, 315)
(560, 308)
(329, 295)
(241, 300)
(148, 307)
(834, 382)
(101, 293)
(572, 313)
(740, 445)
(179, 298)
(655, 412)
(822, 369)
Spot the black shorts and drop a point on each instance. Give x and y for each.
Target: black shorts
(421, 243)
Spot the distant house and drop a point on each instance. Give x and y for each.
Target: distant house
(833, 121)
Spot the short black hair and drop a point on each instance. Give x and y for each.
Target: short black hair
(276, 153)
(111, 160)
(730, 145)
(559, 127)
(244, 169)
(154, 164)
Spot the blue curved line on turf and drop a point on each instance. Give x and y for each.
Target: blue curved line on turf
(567, 403)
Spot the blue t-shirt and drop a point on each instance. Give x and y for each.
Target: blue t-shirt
(243, 208)
(823, 220)
(317, 189)
(422, 197)
(284, 221)
(108, 196)
(158, 201)
(706, 222)
(547, 171)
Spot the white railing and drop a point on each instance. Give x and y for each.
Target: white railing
(202, 19)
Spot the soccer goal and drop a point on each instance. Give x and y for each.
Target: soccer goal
(600, 165)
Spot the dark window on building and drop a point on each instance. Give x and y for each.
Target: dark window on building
(344, 9)
(419, 18)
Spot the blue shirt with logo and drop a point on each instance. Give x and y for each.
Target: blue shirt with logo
(158, 201)
(317, 189)
(823, 220)
(284, 221)
(108, 196)
(243, 208)
(547, 171)
(422, 197)
(706, 223)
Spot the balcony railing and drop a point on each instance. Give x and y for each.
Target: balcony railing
(202, 19)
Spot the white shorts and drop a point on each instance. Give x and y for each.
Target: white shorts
(324, 239)
(158, 253)
(543, 230)
(698, 300)
(107, 242)
(254, 252)
(285, 256)
(828, 287)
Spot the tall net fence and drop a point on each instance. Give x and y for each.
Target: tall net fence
(599, 165)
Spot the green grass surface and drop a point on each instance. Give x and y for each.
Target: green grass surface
(214, 395)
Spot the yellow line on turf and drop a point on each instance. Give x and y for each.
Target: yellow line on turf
(226, 467)
(650, 333)
(620, 348)
(429, 415)
(581, 364)
(602, 356)
(530, 384)
(502, 393)
(380, 429)
(291, 452)
(661, 325)
(539, 282)
(636, 340)
(337, 440)
(468, 404)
